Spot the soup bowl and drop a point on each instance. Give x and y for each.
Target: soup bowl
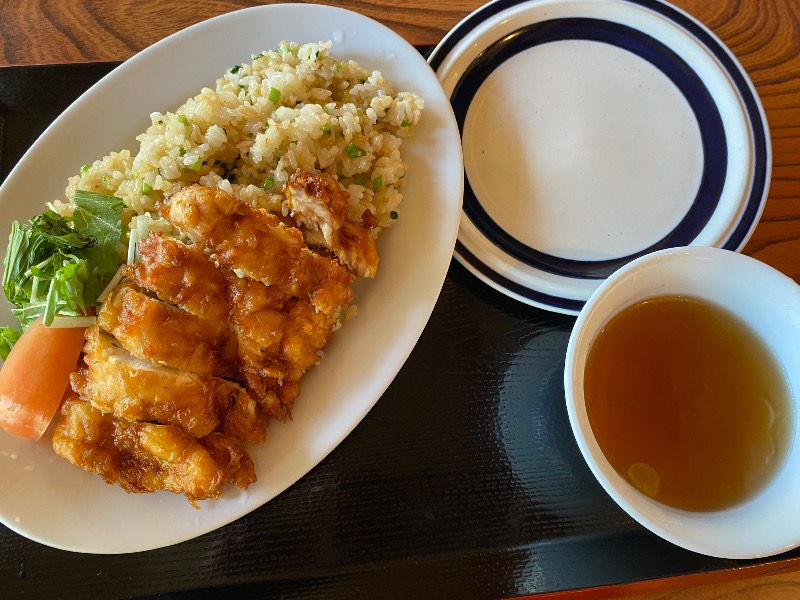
(768, 302)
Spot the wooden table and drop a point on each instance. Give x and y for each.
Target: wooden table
(763, 34)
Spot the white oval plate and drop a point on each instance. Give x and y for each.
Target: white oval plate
(594, 132)
(49, 500)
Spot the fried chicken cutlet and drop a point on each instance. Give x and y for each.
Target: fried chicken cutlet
(202, 341)
(145, 457)
(319, 203)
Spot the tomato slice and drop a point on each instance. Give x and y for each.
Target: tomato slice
(35, 376)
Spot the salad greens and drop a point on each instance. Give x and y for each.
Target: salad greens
(60, 265)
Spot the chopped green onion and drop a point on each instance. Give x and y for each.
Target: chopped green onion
(393, 214)
(182, 151)
(107, 182)
(235, 69)
(274, 95)
(360, 112)
(146, 189)
(354, 151)
(405, 123)
(269, 183)
(84, 168)
(196, 165)
(377, 183)
(326, 127)
(360, 179)
(183, 119)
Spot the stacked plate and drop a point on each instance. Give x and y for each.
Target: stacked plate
(593, 133)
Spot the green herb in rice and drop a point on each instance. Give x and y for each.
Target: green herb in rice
(349, 120)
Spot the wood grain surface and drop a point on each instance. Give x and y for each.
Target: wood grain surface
(763, 34)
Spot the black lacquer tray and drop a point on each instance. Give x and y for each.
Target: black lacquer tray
(463, 482)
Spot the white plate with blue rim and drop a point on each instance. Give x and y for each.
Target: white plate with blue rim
(594, 132)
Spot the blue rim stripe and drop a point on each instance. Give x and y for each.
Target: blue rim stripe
(709, 121)
(539, 297)
(740, 81)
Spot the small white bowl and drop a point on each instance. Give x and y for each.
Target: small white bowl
(769, 302)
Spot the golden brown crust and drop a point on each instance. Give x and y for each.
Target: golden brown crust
(318, 203)
(169, 386)
(167, 335)
(145, 457)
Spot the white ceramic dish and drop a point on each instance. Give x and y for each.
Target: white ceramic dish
(593, 132)
(769, 303)
(50, 501)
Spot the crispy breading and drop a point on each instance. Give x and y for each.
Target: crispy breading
(241, 415)
(169, 386)
(319, 203)
(130, 388)
(183, 275)
(134, 389)
(252, 242)
(144, 457)
(279, 337)
(167, 335)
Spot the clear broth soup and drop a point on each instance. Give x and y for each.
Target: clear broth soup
(687, 403)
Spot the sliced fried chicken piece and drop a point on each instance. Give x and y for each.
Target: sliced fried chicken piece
(333, 292)
(279, 338)
(131, 388)
(183, 275)
(252, 242)
(319, 203)
(144, 457)
(156, 331)
(306, 331)
(242, 416)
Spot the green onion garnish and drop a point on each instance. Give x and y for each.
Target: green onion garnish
(182, 151)
(354, 151)
(274, 95)
(146, 189)
(183, 119)
(235, 69)
(405, 123)
(360, 179)
(326, 127)
(393, 214)
(84, 168)
(269, 183)
(196, 166)
(377, 183)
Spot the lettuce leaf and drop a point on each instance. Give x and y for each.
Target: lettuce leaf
(98, 217)
(8, 337)
(58, 265)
